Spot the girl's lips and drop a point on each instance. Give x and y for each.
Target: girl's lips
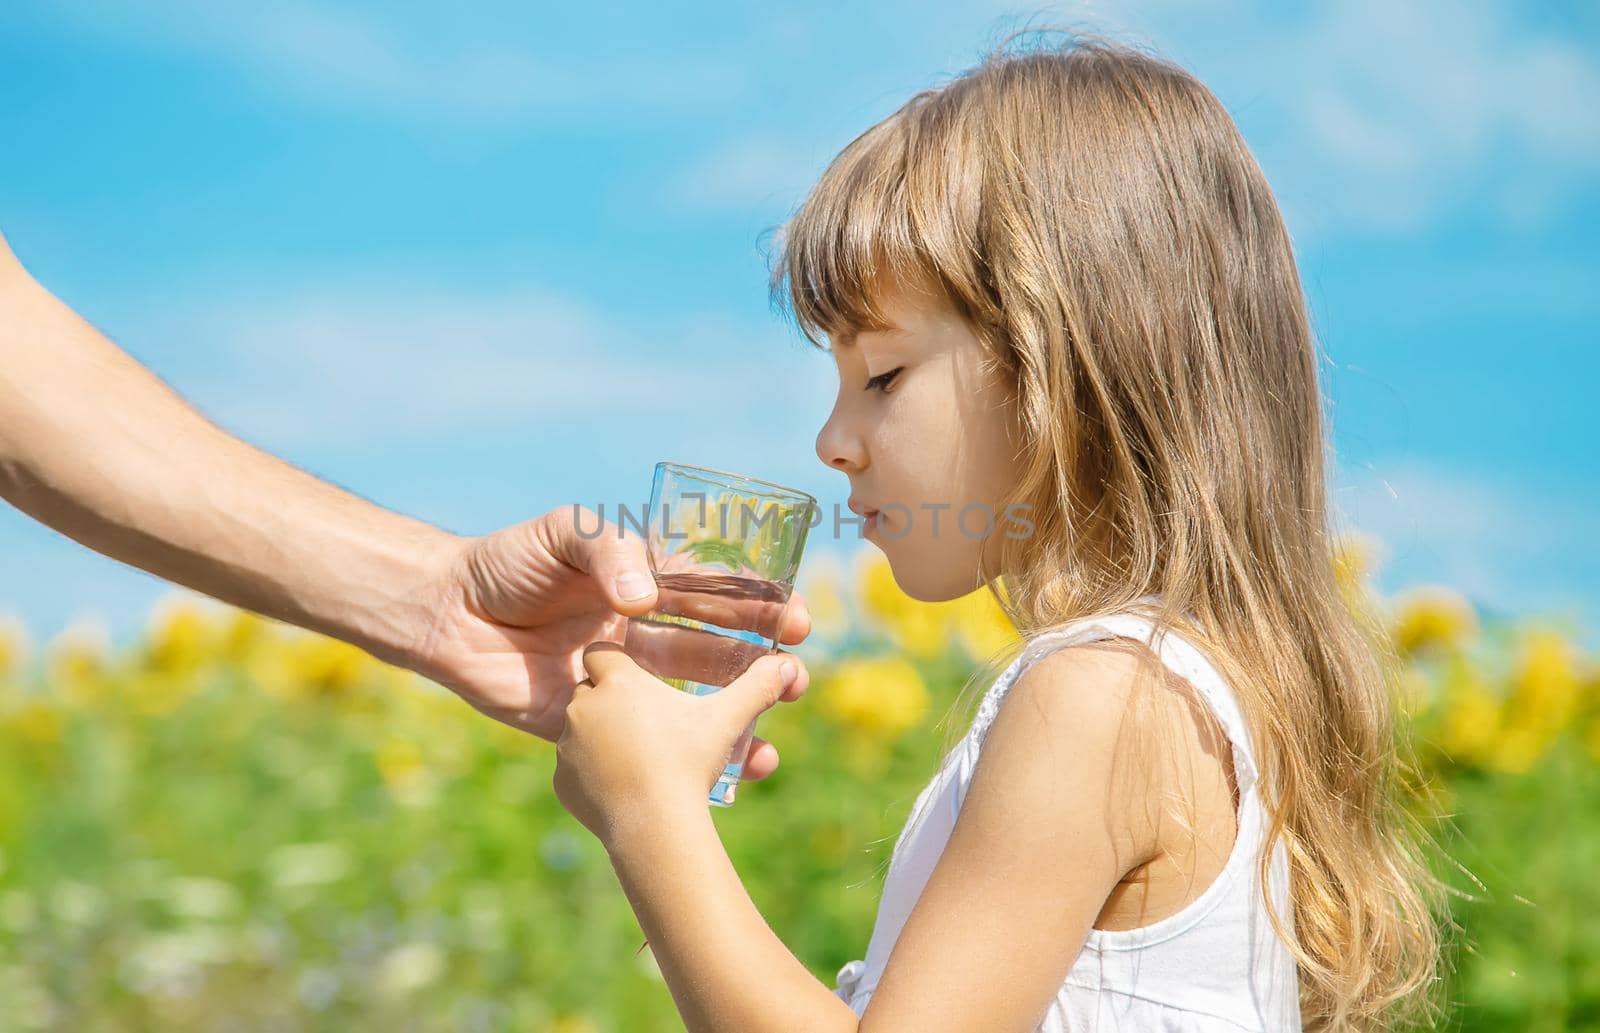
(869, 515)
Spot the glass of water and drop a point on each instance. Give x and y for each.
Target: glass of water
(724, 549)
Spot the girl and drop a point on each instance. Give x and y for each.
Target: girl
(1060, 286)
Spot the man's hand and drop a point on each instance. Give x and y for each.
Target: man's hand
(516, 609)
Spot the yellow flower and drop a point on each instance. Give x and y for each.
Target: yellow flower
(178, 642)
(1589, 690)
(77, 664)
(696, 519)
(573, 1024)
(176, 651)
(1542, 702)
(242, 635)
(13, 647)
(1354, 557)
(36, 721)
(880, 695)
(726, 515)
(155, 693)
(1545, 684)
(314, 665)
(1470, 725)
(918, 628)
(303, 666)
(749, 515)
(975, 620)
(1517, 751)
(1433, 617)
(982, 625)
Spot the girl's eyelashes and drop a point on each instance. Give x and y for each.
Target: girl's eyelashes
(882, 381)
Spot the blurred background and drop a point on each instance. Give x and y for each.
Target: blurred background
(475, 264)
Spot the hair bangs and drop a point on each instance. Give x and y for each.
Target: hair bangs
(855, 235)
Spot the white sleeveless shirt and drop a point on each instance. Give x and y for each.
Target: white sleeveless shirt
(1216, 966)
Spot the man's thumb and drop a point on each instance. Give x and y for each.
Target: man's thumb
(617, 561)
(756, 690)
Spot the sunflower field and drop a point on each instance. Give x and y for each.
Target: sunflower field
(232, 825)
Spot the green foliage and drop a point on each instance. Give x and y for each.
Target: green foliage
(230, 827)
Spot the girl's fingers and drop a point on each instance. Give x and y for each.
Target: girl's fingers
(762, 760)
(796, 621)
(677, 651)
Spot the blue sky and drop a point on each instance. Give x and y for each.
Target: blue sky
(479, 263)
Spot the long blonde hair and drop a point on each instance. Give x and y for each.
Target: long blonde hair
(1095, 215)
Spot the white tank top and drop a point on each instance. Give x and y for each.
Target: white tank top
(1216, 965)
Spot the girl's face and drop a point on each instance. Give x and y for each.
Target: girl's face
(929, 441)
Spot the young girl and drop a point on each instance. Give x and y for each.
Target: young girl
(1059, 286)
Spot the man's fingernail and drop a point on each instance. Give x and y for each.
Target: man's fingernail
(789, 672)
(634, 585)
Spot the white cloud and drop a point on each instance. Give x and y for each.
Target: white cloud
(398, 362)
(1509, 545)
(1411, 109)
(1378, 116)
(444, 66)
(1367, 115)
(761, 169)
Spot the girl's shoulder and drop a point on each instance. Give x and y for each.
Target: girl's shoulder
(1163, 675)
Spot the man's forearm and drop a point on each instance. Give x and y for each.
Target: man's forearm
(95, 446)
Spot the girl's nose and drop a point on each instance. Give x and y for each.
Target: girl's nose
(839, 449)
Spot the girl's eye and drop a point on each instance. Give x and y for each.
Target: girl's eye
(882, 381)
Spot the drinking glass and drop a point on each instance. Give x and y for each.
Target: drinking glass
(724, 549)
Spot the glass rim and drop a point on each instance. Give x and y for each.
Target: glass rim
(732, 480)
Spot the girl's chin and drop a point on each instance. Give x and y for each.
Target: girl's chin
(909, 575)
(929, 577)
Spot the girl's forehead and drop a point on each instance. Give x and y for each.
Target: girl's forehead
(902, 312)
(858, 344)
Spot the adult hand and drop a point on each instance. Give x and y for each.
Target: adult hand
(516, 609)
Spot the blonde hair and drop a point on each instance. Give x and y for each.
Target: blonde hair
(1095, 215)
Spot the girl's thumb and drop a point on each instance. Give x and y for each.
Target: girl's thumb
(758, 688)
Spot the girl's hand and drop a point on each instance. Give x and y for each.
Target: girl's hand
(633, 748)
